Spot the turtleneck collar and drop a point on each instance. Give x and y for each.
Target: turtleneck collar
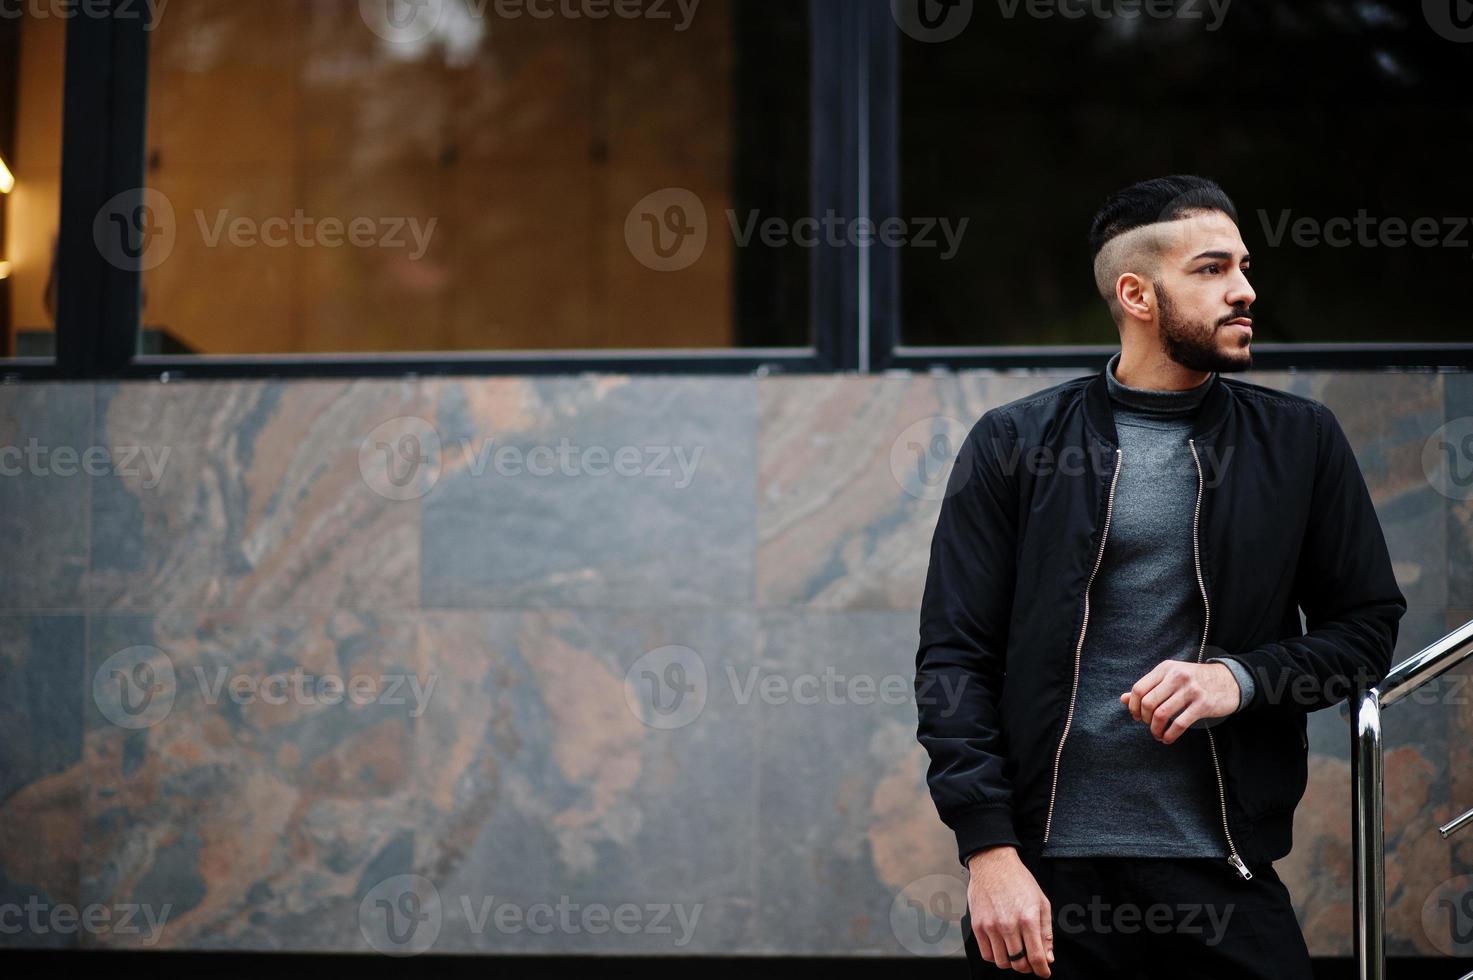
(1151, 401)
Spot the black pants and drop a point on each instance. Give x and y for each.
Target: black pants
(1131, 918)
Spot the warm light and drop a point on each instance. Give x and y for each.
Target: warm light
(7, 179)
(4, 270)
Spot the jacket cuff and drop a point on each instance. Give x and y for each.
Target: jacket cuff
(983, 826)
(1241, 675)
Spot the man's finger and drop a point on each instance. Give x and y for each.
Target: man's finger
(1183, 721)
(1143, 686)
(1013, 943)
(1166, 710)
(1037, 951)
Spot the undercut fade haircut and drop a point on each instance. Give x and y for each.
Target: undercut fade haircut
(1128, 232)
(1158, 199)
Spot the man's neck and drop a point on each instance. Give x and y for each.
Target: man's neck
(1156, 373)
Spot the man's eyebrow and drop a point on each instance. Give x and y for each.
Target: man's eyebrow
(1220, 256)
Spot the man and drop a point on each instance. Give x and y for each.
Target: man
(1113, 679)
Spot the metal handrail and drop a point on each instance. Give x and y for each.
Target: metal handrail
(1368, 791)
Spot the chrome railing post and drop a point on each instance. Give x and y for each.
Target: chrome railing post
(1367, 824)
(1367, 791)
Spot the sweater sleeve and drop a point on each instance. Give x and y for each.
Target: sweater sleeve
(1241, 674)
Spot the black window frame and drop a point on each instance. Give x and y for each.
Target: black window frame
(855, 291)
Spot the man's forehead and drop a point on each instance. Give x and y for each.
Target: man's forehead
(1194, 234)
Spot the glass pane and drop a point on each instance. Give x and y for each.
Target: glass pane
(1309, 116)
(446, 175)
(32, 47)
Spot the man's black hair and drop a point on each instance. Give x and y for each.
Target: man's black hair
(1157, 199)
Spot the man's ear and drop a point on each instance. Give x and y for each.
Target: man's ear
(1134, 296)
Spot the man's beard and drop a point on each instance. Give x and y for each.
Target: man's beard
(1194, 345)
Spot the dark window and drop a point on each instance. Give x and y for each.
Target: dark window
(1357, 111)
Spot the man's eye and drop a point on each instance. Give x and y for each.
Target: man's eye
(1209, 268)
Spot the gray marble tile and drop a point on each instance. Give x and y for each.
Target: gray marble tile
(1452, 448)
(1388, 418)
(520, 774)
(230, 780)
(611, 491)
(41, 778)
(614, 764)
(261, 494)
(46, 456)
(849, 835)
(850, 478)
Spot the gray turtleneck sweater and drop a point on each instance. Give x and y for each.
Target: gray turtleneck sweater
(1120, 792)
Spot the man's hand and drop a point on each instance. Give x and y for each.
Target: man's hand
(1177, 693)
(1010, 913)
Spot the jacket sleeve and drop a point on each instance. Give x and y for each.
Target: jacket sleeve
(965, 610)
(1344, 584)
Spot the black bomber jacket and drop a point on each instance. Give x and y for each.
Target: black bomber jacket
(1283, 521)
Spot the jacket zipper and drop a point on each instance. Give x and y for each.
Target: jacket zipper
(1233, 858)
(1079, 644)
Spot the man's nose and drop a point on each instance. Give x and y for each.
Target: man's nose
(1241, 293)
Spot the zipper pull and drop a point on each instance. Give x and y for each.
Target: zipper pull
(1237, 862)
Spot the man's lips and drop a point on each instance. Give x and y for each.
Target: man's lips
(1241, 322)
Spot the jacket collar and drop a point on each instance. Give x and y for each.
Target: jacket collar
(1099, 411)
